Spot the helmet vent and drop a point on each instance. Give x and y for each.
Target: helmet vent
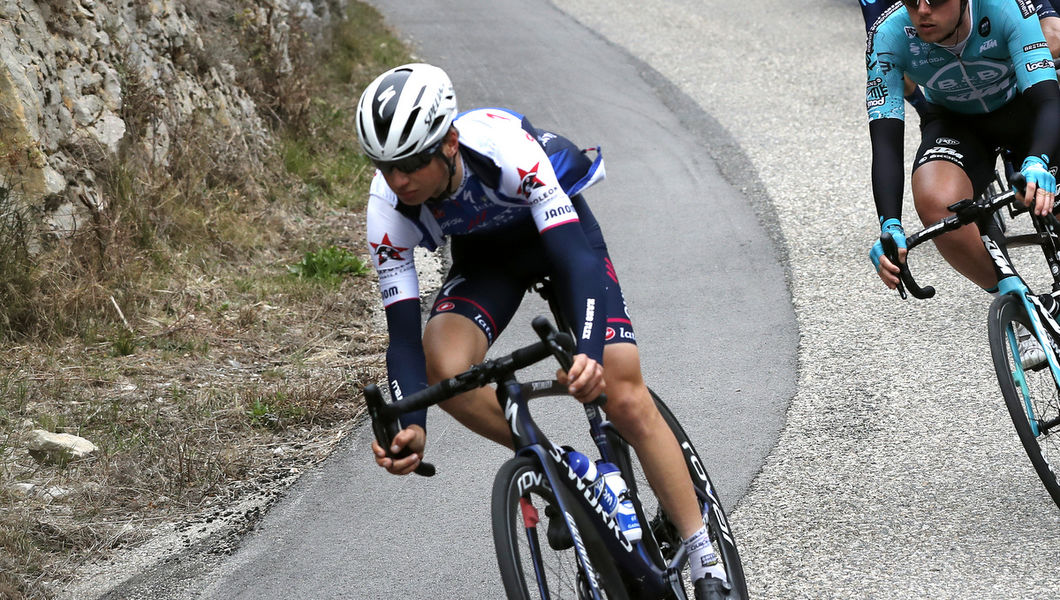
(438, 122)
(363, 132)
(410, 122)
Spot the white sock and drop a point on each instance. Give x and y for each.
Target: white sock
(702, 558)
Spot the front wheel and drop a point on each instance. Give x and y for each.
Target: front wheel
(524, 511)
(1030, 395)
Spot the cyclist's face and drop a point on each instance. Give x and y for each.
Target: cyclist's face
(419, 181)
(420, 185)
(936, 21)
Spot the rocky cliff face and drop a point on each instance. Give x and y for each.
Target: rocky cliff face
(88, 80)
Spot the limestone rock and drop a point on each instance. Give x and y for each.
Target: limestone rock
(49, 447)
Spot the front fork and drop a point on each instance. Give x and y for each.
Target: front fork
(1035, 315)
(1009, 281)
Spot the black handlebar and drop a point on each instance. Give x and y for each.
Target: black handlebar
(965, 212)
(385, 429)
(385, 415)
(890, 250)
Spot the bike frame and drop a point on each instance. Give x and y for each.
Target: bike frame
(643, 563)
(606, 439)
(1046, 236)
(633, 559)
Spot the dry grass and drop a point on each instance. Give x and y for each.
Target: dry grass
(169, 332)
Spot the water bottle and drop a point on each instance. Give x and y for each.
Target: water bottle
(623, 511)
(610, 490)
(586, 469)
(1050, 303)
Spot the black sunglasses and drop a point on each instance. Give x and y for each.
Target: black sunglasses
(409, 164)
(916, 3)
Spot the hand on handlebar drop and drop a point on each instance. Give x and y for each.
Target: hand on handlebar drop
(885, 267)
(584, 379)
(1041, 185)
(414, 438)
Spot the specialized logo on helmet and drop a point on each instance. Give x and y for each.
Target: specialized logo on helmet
(434, 107)
(384, 97)
(385, 250)
(530, 182)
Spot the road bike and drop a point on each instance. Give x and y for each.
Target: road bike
(584, 554)
(1031, 390)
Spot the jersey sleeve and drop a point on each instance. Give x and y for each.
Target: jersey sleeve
(885, 104)
(1026, 44)
(528, 176)
(391, 241)
(884, 87)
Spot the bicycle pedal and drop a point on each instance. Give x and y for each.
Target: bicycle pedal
(558, 535)
(712, 588)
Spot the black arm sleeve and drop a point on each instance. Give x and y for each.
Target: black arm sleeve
(888, 170)
(1044, 97)
(406, 363)
(581, 285)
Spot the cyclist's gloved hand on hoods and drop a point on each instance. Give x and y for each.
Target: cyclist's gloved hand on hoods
(894, 227)
(1035, 170)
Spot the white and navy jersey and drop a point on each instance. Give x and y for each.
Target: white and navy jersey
(516, 179)
(508, 177)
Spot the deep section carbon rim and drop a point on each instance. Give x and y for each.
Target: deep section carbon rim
(533, 565)
(1030, 394)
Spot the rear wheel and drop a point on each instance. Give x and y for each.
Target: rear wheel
(664, 531)
(1030, 394)
(524, 509)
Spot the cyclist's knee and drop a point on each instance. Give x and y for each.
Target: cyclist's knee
(631, 409)
(935, 187)
(451, 344)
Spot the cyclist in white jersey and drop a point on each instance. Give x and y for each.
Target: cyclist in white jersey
(508, 196)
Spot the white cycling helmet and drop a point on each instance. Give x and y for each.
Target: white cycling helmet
(405, 111)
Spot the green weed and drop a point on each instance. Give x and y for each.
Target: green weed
(328, 264)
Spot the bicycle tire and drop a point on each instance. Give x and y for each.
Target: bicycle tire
(716, 519)
(522, 479)
(1029, 394)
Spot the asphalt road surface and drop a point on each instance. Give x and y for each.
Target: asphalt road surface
(739, 214)
(898, 473)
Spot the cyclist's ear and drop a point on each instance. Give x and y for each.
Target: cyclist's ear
(450, 144)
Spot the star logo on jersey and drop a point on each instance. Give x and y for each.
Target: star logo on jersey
(530, 182)
(385, 250)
